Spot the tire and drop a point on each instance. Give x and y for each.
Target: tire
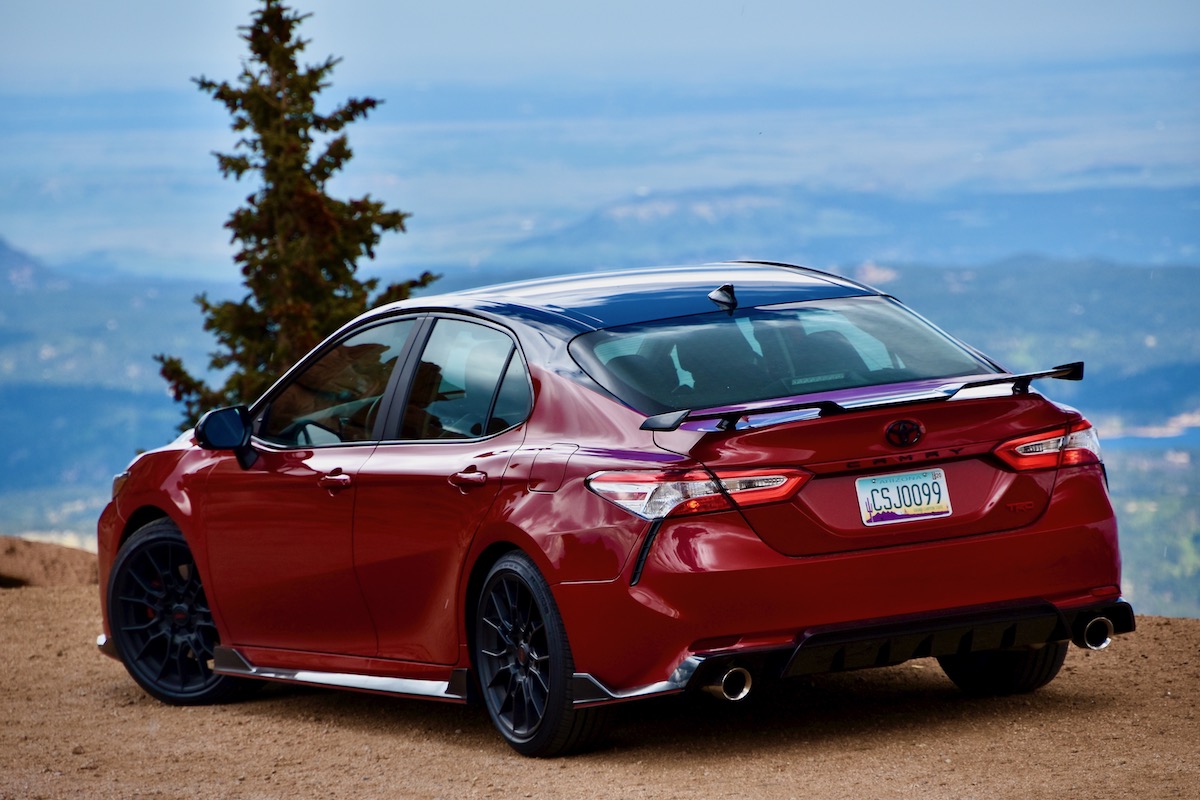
(524, 663)
(161, 623)
(1000, 672)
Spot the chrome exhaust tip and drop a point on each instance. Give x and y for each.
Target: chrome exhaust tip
(734, 685)
(1096, 634)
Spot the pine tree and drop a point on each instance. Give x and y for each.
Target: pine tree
(298, 247)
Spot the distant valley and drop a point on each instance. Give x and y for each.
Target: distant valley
(839, 229)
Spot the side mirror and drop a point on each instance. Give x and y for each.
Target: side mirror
(228, 429)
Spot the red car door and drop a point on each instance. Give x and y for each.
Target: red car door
(279, 549)
(279, 533)
(422, 495)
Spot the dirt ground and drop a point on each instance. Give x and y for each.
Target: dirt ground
(1122, 722)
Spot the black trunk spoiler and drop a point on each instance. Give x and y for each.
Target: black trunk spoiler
(671, 420)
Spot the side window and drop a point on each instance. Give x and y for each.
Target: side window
(514, 401)
(336, 399)
(457, 390)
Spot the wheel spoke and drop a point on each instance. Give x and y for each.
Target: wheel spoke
(538, 697)
(202, 662)
(149, 640)
(182, 661)
(148, 588)
(526, 612)
(156, 570)
(169, 572)
(145, 626)
(540, 681)
(511, 596)
(520, 710)
(162, 663)
(201, 649)
(502, 677)
(146, 601)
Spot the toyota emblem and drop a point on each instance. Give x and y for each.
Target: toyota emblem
(904, 433)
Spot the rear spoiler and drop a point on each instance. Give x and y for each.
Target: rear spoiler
(671, 420)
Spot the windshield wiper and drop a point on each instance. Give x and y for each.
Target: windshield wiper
(671, 420)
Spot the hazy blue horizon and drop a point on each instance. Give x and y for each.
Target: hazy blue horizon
(127, 178)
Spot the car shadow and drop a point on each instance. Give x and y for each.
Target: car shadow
(906, 700)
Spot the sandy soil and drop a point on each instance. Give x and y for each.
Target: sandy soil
(73, 724)
(25, 563)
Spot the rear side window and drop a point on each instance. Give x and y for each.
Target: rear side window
(469, 382)
(776, 351)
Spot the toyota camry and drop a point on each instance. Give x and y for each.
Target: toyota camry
(552, 496)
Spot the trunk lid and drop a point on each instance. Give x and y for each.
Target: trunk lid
(945, 447)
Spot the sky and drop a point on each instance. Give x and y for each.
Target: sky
(81, 45)
(504, 120)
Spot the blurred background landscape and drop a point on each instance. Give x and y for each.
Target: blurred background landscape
(1027, 178)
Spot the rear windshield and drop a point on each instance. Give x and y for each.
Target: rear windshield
(716, 359)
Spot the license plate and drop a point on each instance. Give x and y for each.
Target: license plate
(909, 496)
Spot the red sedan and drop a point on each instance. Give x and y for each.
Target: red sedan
(556, 495)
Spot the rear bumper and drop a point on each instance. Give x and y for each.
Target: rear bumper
(710, 586)
(883, 643)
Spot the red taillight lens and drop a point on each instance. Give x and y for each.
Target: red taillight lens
(1065, 447)
(654, 495)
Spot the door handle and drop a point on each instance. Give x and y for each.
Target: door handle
(468, 478)
(334, 481)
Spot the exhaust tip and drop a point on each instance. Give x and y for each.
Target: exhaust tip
(733, 686)
(1096, 634)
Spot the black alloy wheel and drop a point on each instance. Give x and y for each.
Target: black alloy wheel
(160, 619)
(524, 663)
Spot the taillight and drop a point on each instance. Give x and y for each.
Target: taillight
(1065, 447)
(654, 495)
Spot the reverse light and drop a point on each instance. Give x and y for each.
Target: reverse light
(1073, 446)
(655, 495)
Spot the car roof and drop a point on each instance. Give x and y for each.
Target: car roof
(591, 301)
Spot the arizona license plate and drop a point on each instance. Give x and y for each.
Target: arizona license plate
(908, 496)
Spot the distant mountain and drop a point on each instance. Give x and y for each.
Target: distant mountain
(21, 273)
(61, 329)
(1136, 327)
(1142, 226)
(80, 393)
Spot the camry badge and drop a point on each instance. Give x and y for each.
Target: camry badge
(904, 433)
